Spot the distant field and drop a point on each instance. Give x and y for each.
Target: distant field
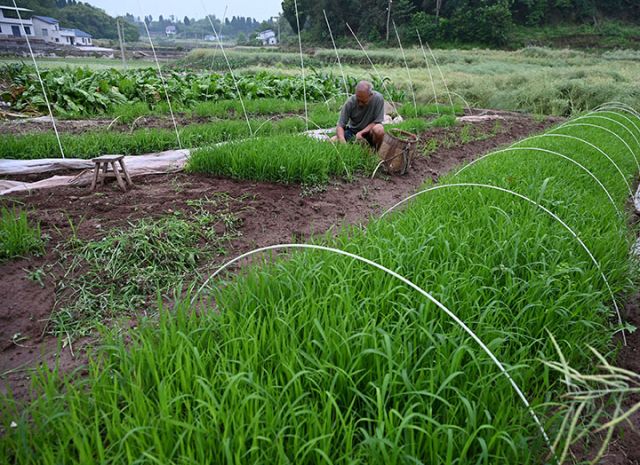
(534, 79)
(93, 63)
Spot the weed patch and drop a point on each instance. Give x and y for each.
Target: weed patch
(122, 272)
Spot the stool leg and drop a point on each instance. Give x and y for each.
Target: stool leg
(126, 173)
(104, 173)
(96, 173)
(118, 177)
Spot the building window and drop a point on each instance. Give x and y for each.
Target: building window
(10, 13)
(57, 40)
(27, 30)
(45, 32)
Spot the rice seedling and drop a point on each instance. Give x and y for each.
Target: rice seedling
(17, 236)
(410, 111)
(285, 159)
(311, 357)
(228, 109)
(140, 141)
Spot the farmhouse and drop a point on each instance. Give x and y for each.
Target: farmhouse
(47, 29)
(75, 37)
(10, 23)
(170, 31)
(268, 37)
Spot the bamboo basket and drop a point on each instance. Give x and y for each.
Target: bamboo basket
(397, 150)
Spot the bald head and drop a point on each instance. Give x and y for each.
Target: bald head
(364, 90)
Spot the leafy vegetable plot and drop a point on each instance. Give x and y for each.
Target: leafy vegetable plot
(314, 358)
(83, 91)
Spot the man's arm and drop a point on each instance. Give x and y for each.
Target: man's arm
(343, 121)
(379, 118)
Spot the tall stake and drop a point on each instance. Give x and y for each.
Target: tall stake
(304, 86)
(388, 18)
(121, 39)
(233, 76)
(164, 83)
(384, 86)
(215, 51)
(441, 76)
(433, 84)
(344, 79)
(44, 92)
(404, 58)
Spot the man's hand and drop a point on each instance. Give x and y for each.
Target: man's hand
(340, 135)
(360, 135)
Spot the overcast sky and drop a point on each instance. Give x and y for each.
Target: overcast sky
(259, 9)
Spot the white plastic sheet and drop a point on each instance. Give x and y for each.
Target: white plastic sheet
(155, 163)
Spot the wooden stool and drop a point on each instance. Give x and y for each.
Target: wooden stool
(104, 162)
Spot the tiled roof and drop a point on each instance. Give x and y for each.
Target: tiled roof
(47, 19)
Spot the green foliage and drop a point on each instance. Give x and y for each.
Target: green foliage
(317, 358)
(489, 22)
(86, 92)
(286, 159)
(421, 110)
(17, 236)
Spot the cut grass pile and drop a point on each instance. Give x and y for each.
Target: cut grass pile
(123, 271)
(17, 236)
(317, 358)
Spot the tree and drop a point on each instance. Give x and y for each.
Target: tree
(186, 21)
(289, 12)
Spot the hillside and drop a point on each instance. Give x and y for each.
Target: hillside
(496, 23)
(72, 14)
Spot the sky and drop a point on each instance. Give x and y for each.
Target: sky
(258, 9)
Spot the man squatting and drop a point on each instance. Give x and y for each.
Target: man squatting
(361, 117)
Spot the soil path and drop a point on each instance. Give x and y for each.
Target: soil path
(270, 214)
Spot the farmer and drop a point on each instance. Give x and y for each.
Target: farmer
(361, 117)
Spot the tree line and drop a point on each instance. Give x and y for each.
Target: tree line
(468, 21)
(192, 27)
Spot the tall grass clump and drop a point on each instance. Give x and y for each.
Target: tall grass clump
(17, 236)
(285, 159)
(316, 358)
